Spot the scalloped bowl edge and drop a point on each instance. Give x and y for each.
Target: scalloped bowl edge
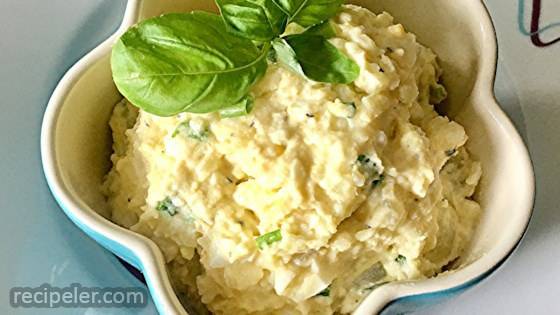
(393, 297)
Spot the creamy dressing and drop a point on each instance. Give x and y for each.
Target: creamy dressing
(365, 182)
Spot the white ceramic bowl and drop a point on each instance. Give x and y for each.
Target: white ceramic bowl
(76, 145)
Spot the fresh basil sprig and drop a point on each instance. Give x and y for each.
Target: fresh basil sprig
(185, 63)
(309, 12)
(324, 29)
(198, 62)
(286, 55)
(259, 20)
(316, 58)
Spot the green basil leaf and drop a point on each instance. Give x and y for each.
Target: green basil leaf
(185, 62)
(324, 29)
(244, 107)
(309, 12)
(286, 55)
(259, 20)
(321, 61)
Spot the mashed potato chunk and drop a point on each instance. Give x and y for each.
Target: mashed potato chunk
(320, 193)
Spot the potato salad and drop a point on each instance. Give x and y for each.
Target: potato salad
(317, 196)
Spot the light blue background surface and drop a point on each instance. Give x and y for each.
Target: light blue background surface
(40, 40)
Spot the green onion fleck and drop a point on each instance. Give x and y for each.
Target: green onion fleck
(438, 93)
(268, 239)
(362, 158)
(377, 182)
(450, 152)
(369, 168)
(166, 205)
(400, 259)
(186, 128)
(325, 292)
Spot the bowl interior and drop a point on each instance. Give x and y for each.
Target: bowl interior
(451, 28)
